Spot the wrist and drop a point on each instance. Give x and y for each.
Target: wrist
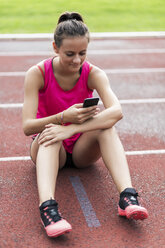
(65, 117)
(76, 128)
(57, 119)
(61, 118)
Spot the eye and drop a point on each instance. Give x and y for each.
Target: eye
(69, 54)
(82, 53)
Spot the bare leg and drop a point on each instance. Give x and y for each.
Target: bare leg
(105, 143)
(114, 158)
(47, 159)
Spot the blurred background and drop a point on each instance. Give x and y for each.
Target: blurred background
(40, 16)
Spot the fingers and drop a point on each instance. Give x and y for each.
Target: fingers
(89, 109)
(90, 113)
(85, 116)
(49, 136)
(49, 125)
(50, 142)
(47, 140)
(78, 105)
(45, 135)
(44, 138)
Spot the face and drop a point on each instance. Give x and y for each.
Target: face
(72, 53)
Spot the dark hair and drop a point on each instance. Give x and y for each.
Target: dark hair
(70, 24)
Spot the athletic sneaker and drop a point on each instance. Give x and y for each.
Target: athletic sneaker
(52, 221)
(129, 205)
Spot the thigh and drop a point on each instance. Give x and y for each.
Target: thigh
(34, 151)
(86, 150)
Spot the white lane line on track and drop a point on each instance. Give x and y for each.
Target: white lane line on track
(134, 70)
(126, 51)
(123, 102)
(13, 74)
(90, 52)
(6, 159)
(142, 101)
(11, 105)
(145, 152)
(108, 71)
(128, 153)
(94, 35)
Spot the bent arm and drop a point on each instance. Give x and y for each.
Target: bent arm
(106, 119)
(33, 83)
(31, 125)
(103, 120)
(112, 114)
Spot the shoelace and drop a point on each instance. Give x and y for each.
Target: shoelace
(52, 214)
(131, 199)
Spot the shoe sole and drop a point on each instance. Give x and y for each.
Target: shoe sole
(134, 212)
(57, 233)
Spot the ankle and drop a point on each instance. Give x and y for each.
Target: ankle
(122, 189)
(128, 191)
(45, 200)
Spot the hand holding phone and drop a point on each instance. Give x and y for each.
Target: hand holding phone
(88, 102)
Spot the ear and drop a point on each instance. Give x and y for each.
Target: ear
(55, 48)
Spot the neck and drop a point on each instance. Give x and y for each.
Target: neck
(60, 69)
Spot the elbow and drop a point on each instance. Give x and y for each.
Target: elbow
(26, 129)
(26, 132)
(113, 119)
(119, 114)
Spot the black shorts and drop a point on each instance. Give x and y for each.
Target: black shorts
(69, 161)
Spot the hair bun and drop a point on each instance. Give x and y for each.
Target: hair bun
(70, 16)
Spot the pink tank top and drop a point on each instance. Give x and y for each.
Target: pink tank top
(53, 99)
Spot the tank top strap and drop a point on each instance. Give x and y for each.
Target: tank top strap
(90, 67)
(46, 75)
(39, 67)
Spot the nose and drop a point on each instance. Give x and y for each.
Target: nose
(76, 59)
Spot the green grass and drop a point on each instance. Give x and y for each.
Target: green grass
(40, 16)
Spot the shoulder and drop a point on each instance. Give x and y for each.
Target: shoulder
(34, 70)
(97, 77)
(34, 77)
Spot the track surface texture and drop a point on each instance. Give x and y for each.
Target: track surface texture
(87, 198)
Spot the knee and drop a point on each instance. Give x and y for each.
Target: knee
(107, 133)
(35, 148)
(54, 146)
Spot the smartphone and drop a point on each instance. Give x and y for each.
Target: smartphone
(88, 102)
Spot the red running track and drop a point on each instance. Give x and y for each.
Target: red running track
(141, 129)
